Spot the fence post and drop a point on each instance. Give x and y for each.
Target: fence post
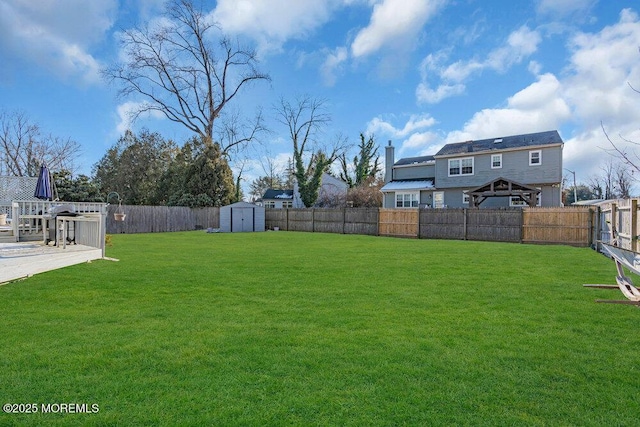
(286, 219)
(614, 219)
(344, 218)
(634, 225)
(522, 224)
(464, 223)
(313, 220)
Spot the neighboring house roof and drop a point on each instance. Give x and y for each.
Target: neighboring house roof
(590, 202)
(414, 160)
(503, 143)
(330, 181)
(423, 184)
(278, 194)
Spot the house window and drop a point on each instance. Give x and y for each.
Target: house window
(287, 204)
(270, 204)
(407, 200)
(496, 161)
(465, 196)
(535, 158)
(461, 166)
(515, 201)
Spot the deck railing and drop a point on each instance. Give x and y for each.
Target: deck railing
(30, 220)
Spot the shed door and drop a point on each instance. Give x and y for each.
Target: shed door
(241, 219)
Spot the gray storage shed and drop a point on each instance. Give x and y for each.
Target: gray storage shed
(241, 216)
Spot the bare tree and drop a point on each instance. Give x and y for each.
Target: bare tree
(623, 181)
(608, 180)
(24, 149)
(627, 155)
(596, 187)
(181, 74)
(305, 119)
(614, 182)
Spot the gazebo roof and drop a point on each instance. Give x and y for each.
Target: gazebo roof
(502, 187)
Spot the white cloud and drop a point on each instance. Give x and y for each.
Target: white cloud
(272, 22)
(432, 96)
(564, 8)
(393, 22)
(602, 66)
(520, 44)
(415, 122)
(332, 65)
(40, 32)
(538, 107)
(414, 136)
(124, 112)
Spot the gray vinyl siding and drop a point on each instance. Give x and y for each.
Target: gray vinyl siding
(414, 172)
(550, 196)
(515, 167)
(389, 200)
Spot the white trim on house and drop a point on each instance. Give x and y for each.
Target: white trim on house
(460, 166)
(493, 162)
(531, 157)
(408, 199)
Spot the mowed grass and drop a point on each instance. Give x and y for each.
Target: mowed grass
(285, 328)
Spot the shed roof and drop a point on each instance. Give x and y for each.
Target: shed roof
(242, 205)
(502, 143)
(424, 184)
(278, 194)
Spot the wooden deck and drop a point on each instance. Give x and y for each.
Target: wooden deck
(21, 260)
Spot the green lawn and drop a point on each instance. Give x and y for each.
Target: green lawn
(322, 329)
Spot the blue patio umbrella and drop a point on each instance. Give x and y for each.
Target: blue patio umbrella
(43, 186)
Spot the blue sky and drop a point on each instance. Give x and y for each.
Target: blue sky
(421, 73)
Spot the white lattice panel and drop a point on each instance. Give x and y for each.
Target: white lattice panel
(17, 188)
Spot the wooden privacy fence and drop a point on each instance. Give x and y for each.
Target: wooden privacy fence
(501, 225)
(577, 226)
(157, 219)
(344, 221)
(569, 225)
(621, 216)
(398, 222)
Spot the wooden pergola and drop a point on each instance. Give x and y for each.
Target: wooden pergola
(502, 187)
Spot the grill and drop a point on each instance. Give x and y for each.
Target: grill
(65, 210)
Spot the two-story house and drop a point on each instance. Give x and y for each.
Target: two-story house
(518, 170)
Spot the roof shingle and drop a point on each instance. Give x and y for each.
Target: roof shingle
(502, 143)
